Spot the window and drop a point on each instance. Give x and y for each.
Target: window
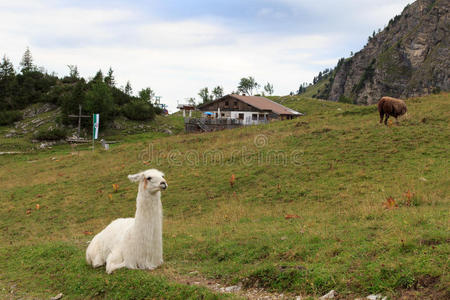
(241, 116)
(226, 103)
(262, 117)
(254, 117)
(235, 104)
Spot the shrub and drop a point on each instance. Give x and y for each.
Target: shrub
(9, 117)
(345, 99)
(139, 110)
(158, 110)
(50, 135)
(436, 90)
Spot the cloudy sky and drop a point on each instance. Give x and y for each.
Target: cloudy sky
(177, 47)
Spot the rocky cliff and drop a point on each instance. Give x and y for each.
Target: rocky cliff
(410, 57)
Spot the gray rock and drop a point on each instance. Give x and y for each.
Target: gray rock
(330, 295)
(31, 112)
(168, 131)
(231, 289)
(57, 297)
(39, 124)
(376, 297)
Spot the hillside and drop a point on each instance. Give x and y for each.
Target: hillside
(31, 91)
(407, 58)
(308, 211)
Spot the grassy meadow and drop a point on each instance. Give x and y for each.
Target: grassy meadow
(307, 212)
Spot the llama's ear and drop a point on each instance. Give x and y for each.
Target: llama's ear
(136, 177)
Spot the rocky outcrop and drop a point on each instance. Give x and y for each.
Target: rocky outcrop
(410, 57)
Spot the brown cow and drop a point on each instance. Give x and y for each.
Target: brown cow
(388, 106)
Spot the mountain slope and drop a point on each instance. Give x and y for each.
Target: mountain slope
(410, 57)
(305, 213)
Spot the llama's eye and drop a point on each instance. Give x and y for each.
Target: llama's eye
(149, 178)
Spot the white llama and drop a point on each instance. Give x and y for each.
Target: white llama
(134, 243)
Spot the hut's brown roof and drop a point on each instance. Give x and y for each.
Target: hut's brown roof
(261, 103)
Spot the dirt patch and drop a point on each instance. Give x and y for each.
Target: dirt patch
(425, 288)
(194, 278)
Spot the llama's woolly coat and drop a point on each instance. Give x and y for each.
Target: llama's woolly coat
(388, 106)
(134, 243)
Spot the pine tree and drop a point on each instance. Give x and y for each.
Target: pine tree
(128, 90)
(109, 79)
(8, 84)
(27, 62)
(98, 76)
(6, 68)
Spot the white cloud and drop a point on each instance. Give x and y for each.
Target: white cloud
(176, 58)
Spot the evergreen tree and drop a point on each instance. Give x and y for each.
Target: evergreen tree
(6, 68)
(27, 62)
(128, 90)
(8, 84)
(98, 76)
(109, 79)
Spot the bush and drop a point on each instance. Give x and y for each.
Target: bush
(345, 99)
(9, 117)
(50, 135)
(139, 111)
(436, 90)
(158, 110)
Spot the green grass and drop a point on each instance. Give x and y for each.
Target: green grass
(333, 168)
(315, 89)
(61, 267)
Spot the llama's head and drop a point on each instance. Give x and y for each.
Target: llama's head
(151, 180)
